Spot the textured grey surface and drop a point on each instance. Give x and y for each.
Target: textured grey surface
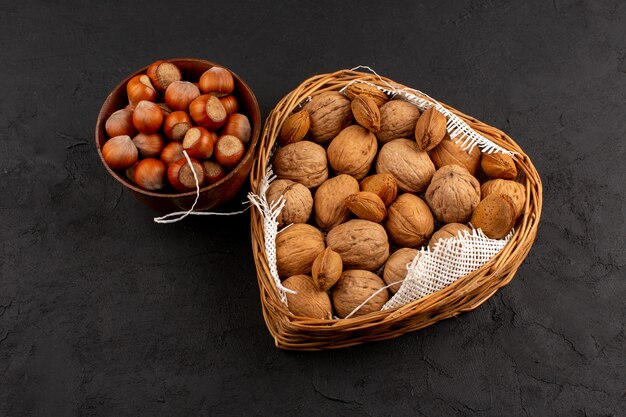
(103, 313)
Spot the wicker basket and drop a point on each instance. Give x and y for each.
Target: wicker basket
(465, 294)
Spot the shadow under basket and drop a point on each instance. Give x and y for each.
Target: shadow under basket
(467, 293)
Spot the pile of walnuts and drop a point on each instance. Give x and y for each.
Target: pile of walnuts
(368, 181)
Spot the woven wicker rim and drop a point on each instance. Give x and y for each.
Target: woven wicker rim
(298, 333)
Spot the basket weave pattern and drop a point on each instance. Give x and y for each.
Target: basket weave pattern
(465, 294)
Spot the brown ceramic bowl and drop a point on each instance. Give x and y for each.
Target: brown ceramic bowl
(212, 196)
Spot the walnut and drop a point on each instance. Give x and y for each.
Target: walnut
(383, 185)
(330, 207)
(494, 215)
(353, 151)
(298, 201)
(409, 221)
(294, 128)
(411, 168)
(367, 206)
(446, 232)
(353, 288)
(308, 301)
(396, 267)
(430, 129)
(326, 269)
(296, 248)
(498, 165)
(366, 112)
(453, 194)
(513, 189)
(329, 113)
(397, 120)
(304, 162)
(362, 89)
(360, 243)
(450, 153)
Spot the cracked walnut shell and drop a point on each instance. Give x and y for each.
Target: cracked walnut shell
(453, 194)
(411, 168)
(298, 201)
(304, 162)
(353, 151)
(360, 243)
(329, 112)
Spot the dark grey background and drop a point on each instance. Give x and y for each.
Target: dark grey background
(104, 313)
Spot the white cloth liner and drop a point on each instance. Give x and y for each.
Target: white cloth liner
(430, 271)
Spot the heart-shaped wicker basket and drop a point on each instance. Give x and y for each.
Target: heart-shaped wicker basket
(465, 294)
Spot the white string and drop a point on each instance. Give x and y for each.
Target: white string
(182, 214)
(269, 212)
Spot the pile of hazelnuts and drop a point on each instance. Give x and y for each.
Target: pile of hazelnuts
(148, 136)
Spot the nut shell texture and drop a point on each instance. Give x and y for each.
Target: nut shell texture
(330, 207)
(513, 189)
(304, 162)
(446, 232)
(494, 215)
(353, 288)
(450, 153)
(360, 243)
(409, 221)
(296, 248)
(397, 120)
(396, 267)
(329, 113)
(353, 151)
(326, 269)
(453, 194)
(308, 301)
(411, 168)
(298, 201)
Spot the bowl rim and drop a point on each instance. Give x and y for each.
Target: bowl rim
(256, 133)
